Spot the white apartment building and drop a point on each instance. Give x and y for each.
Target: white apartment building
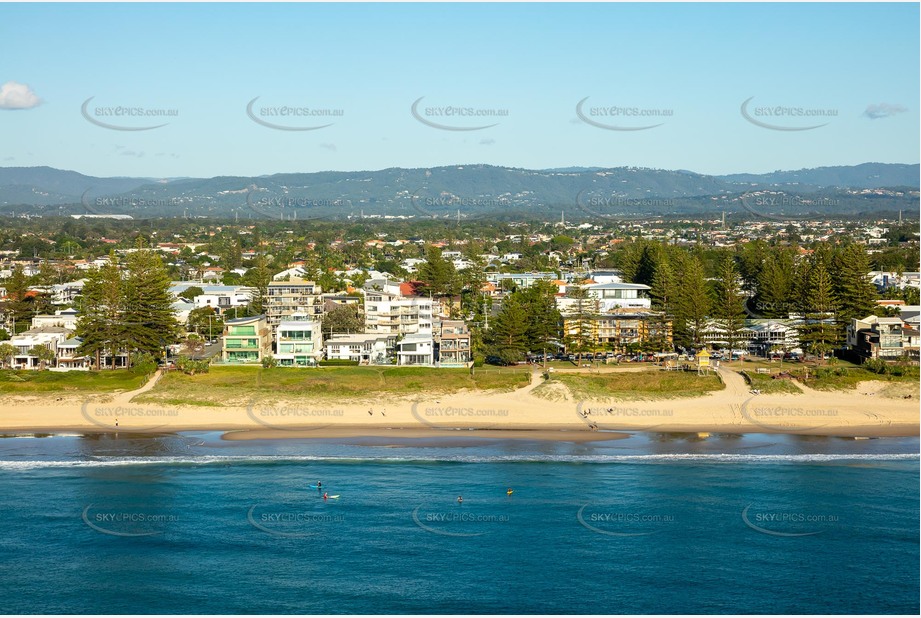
(392, 308)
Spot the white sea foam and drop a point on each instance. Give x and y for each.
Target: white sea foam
(212, 460)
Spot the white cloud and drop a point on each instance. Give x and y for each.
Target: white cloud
(883, 110)
(14, 95)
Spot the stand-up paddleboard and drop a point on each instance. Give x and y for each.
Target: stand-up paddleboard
(313, 486)
(336, 497)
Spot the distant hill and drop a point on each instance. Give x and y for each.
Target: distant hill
(465, 191)
(863, 176)
(47, 185)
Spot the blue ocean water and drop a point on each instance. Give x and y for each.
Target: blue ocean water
(658, 523)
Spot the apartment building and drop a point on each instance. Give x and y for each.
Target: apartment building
(394, 308)
(454, 348)
(620, 329)
(285, 298)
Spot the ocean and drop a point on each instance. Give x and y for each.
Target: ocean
(655, 523)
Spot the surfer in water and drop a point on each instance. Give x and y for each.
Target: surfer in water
(460, 499)
(325, 496)
(319, 485)
(509, 491)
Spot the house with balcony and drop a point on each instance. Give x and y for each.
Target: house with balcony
(298, 343)
(620, 295)
(416, 350)
(68, 358)
(454, 347)
(363, 348)
(888, 339)
(246, 340)
(47, 336)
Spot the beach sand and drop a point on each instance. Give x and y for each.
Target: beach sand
(512, 415)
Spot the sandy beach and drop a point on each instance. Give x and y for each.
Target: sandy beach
(512, 415)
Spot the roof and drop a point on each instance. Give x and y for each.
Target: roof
(619, 286)
(356, 338)
(252, 318)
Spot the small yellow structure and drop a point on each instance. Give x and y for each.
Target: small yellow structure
(703, 359)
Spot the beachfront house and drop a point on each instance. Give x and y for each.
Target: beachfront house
(365, 349)
(888, 339)
(246, 340)
(299, 343)
(416, 350)
(25, 342)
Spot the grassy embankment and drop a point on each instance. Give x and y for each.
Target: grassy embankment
(239, 385)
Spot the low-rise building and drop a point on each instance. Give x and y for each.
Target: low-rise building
(888, 339)
(365, 349)
(246, 340)
(65, 318)
(298, 343)
(46, 336)
(416, 350)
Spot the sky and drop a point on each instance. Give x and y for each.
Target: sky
(253, 89)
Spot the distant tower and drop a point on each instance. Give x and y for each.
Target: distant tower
(724, 219)
(562, 217)
(900, 217)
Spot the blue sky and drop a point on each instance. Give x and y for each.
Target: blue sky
(687, 68)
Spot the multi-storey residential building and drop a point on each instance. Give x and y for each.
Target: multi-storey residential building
(366, 349)
(416, 349)
(246, 340)
(396, 308)
(454, 349)
(285, 298)
(298, 343)
(620, 328)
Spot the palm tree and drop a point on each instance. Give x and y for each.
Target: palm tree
(43, 353)
(6, 354)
